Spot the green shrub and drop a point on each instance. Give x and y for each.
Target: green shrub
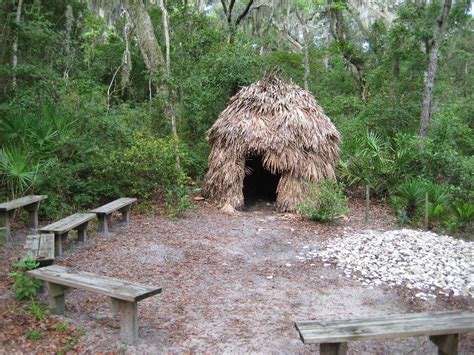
(408, 201)
(366, 160)
(17, 170)
(34, 335)
(464, 216)
(25, 287)
(324, 201)
(177, 201)
(147, 166)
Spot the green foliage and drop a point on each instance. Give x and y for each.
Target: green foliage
(369, 162)
(216, 77)
(147, 166)
(34, 335)
(324, 201)
(464, 216)
(25, 287)
(17, 171)
(408, 200)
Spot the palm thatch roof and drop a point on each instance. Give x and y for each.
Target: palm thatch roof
(285, 126)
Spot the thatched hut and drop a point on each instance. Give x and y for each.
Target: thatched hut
(272, 138)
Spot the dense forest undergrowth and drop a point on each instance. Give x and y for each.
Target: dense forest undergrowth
(94, 105)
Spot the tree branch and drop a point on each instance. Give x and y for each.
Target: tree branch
(224, 7)
(244, 13)
(231, 7)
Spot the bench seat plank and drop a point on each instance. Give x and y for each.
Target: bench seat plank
(103, 285)
(66, 224)
(114, 205)
(21, 202)
(392, 326)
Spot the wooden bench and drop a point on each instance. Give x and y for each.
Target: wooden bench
(104, 212)
(40, 247)
(123, 295)
(61, 228)
(30, 203)
(443, 328)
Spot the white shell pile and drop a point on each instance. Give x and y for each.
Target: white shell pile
(414, 259)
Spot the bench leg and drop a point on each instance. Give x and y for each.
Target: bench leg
(58, 243)
(33, 215)
(447, 344)
(103, 223)
(333, 348)
(128, 319)
(126, 214)
(82, 232)
(5, 223)
(56, 297)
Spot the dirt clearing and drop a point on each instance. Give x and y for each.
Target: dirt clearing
(234, 284)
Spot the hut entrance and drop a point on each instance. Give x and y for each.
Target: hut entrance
(261, 184)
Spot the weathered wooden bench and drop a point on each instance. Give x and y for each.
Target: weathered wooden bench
(40, 247)
(30, 203)
(61, 228)
(124, 295)
(104, 212)
(443, 328)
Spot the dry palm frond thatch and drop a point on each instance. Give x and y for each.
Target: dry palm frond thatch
(284, 125)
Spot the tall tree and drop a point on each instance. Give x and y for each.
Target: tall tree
(171, 100)
(304, 20)
(15, 43)
(126, 56)
(427, 106)
(164, 14)
(152, 53)
(147, 42)
(338, 30)
(298, 28)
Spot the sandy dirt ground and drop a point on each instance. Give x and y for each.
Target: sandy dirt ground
(234, 283)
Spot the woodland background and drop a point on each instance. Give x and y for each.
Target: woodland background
(101, 99)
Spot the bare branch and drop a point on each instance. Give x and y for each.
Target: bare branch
(224, 6)
(244, 13)
(231, 7)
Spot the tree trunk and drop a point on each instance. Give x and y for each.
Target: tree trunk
(233, 25)
(164, 13)
(126, 57)
(171, 101)
(68, 49)
(396, 66)
(307, 69)
(466, 77)
(427, 106)
(356, 62)
(147, 42)
(69, 22)
(15, 43)
(152, 54)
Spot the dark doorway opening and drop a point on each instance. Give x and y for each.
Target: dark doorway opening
(260, 184)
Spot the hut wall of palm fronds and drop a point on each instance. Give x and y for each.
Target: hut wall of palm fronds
(284, 125)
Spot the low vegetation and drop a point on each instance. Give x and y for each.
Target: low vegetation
(80, 125)
(324, 201)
